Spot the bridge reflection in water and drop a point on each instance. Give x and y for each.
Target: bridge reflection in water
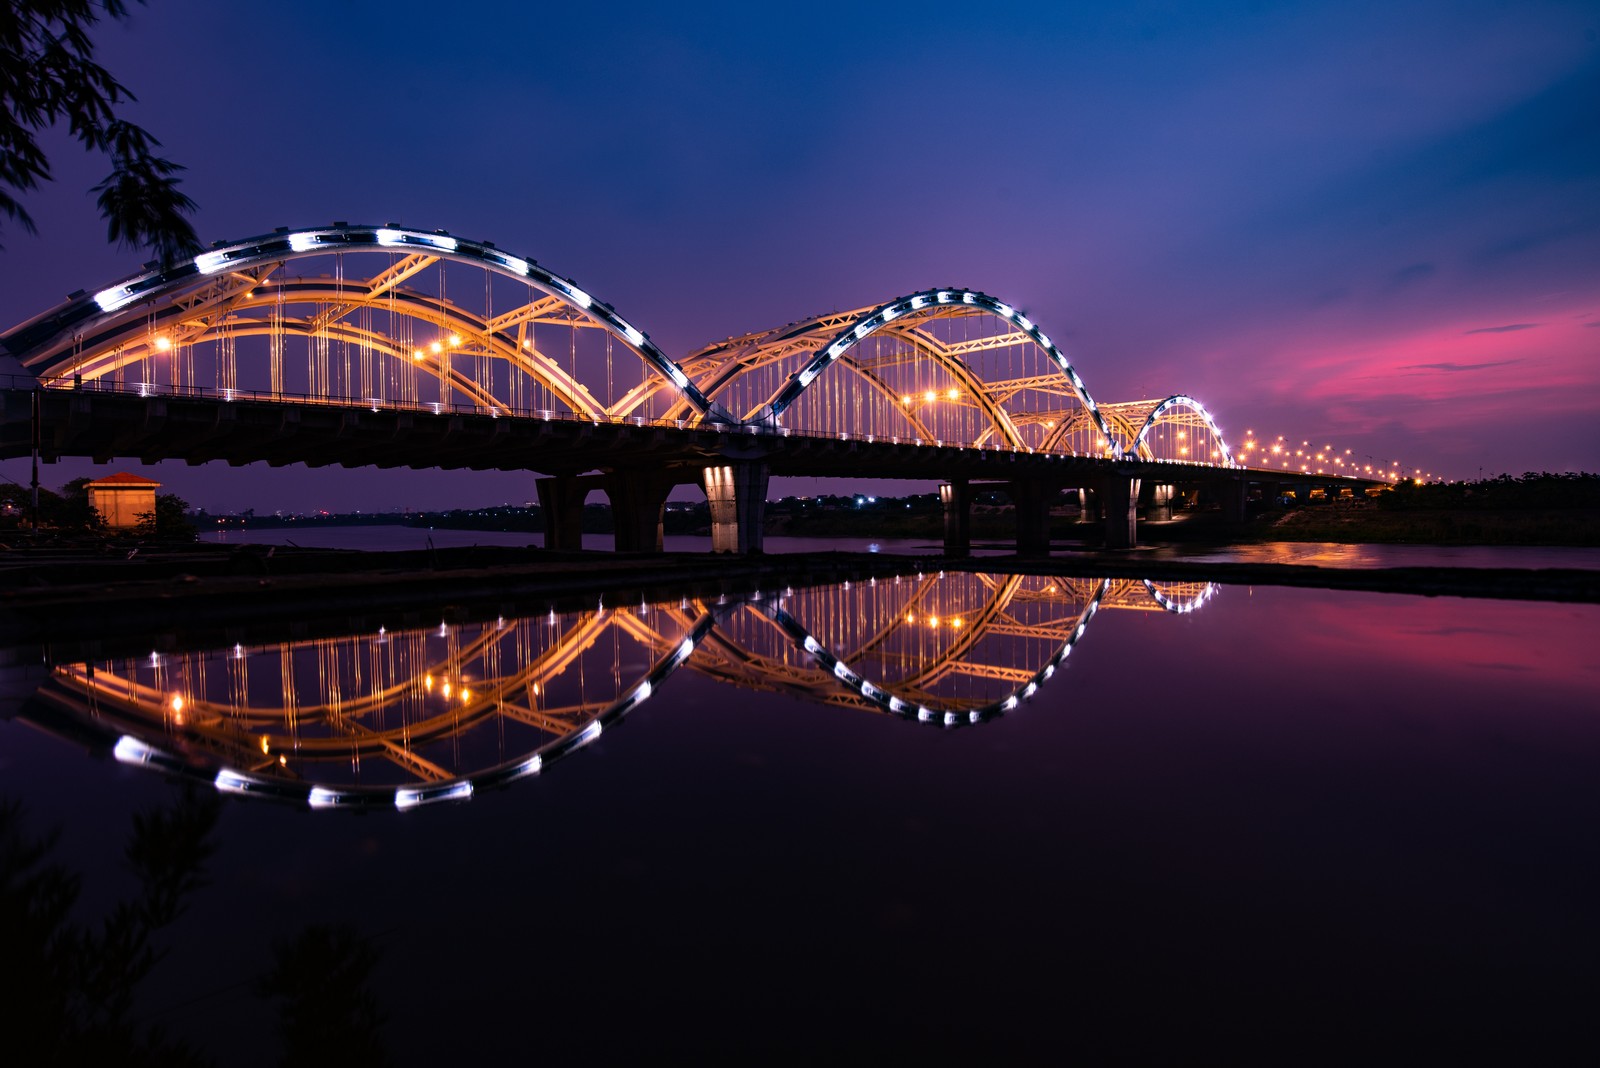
(409, 717)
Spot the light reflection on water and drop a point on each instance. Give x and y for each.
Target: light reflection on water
(410, 716)
(1339, 554)
(1290, 820)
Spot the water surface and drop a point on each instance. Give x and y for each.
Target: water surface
(396, 538)
(1280, 825)
(1319, 554)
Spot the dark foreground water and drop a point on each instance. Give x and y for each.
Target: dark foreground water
(964, 815)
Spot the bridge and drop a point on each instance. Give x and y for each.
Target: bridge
(393, 347)
(407, 717)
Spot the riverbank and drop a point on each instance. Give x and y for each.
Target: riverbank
(1366, 522)
(1352, 521)
(191, 595)
(188, 596)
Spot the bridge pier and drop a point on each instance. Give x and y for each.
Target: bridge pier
(737, 493)
(561, 500)
(956, 496)
(1088, 505)
(1031, 500)
(1121, 501)
(638, 499)
(1234, 493)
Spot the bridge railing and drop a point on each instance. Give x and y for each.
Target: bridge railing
(28, 383)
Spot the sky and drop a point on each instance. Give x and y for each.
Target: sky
(1373, 225)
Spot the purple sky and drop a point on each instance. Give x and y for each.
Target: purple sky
(1375, 225)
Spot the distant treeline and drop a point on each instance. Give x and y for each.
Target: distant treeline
(919, 515)
(251, 521)
(1534, 490)
(69, 513)
(504, 517)
(886, 516)
(1536, 509)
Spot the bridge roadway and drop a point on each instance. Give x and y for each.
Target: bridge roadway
(637, 464)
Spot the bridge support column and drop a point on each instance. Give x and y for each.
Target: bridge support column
(1088, 505)
(637, 501)
(1233, 494)
(957, 498)
(737, 493)
(561, 501)
(1121, 497)
(1032, 501)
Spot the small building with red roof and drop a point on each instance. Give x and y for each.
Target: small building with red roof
(122, 498)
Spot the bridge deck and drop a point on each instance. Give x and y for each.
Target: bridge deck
(104, 425)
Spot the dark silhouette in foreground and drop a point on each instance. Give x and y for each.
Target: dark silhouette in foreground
(327, 1014)
(69, 987)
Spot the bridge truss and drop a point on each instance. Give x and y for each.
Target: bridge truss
(394, 318)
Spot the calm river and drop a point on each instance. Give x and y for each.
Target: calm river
(1319, 554)
(924, 817)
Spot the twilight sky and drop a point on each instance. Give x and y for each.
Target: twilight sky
(1376, 225)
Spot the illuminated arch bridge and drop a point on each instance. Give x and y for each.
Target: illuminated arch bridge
(398, 317)
(402, 324)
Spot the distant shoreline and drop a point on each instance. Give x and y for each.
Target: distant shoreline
(1349, 523)
(74, 596)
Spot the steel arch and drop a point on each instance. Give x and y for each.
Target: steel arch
(1179, 400)
(721, 366)
(879, 318)
(35, 341)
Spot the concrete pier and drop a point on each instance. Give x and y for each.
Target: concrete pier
(737, 493)
(956, 496)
